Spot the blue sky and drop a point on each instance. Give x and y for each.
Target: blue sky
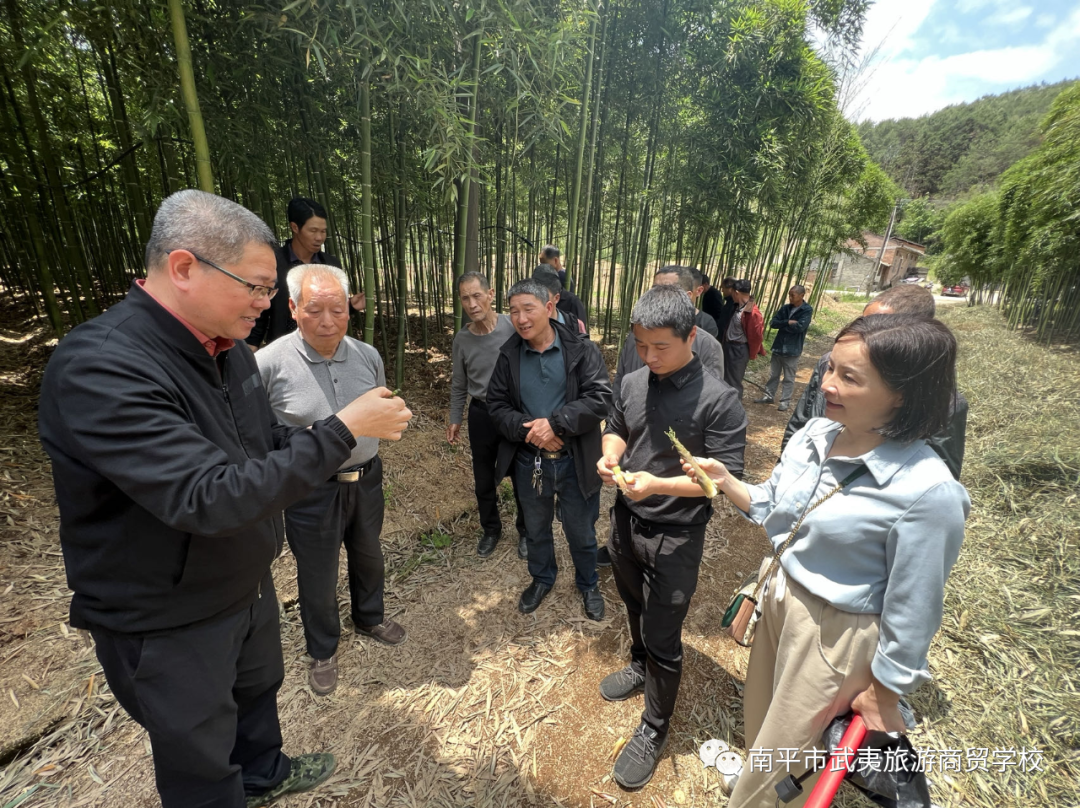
(932, 53)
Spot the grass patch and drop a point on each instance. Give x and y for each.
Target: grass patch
(832, 314)
(1006, 659)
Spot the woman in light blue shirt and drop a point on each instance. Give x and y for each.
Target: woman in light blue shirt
(847, 618)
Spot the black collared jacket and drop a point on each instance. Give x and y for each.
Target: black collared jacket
(588, 399)
(171, 472)
(277, 320)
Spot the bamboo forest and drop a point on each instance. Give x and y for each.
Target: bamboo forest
(443, 138)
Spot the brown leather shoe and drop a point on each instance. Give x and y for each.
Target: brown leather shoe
(322, 676)
(387, 632)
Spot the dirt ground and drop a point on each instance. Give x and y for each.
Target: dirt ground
(481, 706)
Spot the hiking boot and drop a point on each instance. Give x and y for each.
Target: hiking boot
(305, 772)
(322, 676)
(637, 761)
(603, 556)
(783, 406)
(523, 548)
(594, 603)
(387, 632)
(622, 684)
(763, 400)
(486, 545)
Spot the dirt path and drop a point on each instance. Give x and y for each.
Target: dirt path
(482, 705)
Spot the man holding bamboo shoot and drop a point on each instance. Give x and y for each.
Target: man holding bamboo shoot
(659, 517)
(548, 395)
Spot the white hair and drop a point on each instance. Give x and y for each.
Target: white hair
(298, 275)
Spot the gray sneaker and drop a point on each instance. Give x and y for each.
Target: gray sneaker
(622, 684)
(783, 406)
(637, 761)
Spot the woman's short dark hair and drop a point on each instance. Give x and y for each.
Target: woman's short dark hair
(301, 209)
(916, 358)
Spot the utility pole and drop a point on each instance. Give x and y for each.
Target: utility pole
(881, 251)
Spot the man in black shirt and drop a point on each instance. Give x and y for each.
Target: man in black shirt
(307, 222)
(712, 302)
(569, 309)
(658, 523)
(721, 305)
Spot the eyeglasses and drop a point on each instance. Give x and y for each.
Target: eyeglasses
(256, 291)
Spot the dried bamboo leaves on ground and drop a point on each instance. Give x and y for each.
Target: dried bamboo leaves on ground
(485, 706)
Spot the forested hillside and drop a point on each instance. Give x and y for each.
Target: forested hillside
(961, 147)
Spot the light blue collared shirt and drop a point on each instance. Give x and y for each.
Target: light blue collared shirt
(884, 545)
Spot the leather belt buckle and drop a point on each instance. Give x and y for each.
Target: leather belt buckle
(554, 455)
(347, 476)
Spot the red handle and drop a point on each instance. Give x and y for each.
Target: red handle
(833, 775)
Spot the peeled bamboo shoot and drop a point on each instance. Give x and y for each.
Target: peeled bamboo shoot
(703, 479)
(620, 479)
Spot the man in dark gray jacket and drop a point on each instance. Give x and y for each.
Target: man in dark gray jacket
(171, 474)
(547, 396)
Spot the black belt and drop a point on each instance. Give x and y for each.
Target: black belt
(553, 455)
(353, 474)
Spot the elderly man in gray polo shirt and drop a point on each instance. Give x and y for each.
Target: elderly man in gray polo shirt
(307, 374)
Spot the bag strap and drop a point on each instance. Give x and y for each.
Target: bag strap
(791, 536)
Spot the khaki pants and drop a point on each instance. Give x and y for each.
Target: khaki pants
(808, 662)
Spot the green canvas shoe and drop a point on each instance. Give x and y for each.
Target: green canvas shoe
(306, 772)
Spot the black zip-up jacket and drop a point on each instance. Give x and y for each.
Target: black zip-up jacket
(577, 423)
(171, 472)
(790, 338)
(277, 320)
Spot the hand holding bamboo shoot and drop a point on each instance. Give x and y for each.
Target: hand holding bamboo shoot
(702, 479)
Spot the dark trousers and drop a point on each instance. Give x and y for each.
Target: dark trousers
(579, 515)
(736, 358)
(484, 440)
(207, 697)
(656, 571)
(316, 527)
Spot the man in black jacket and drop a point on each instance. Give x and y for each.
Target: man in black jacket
(307, 222)
(547, 396)
(171, 474)
(790, 322)
(913, 301)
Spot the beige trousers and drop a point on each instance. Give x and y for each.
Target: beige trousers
(808, 662)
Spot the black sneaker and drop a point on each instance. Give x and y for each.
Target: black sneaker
(305, 772)
(637, 761)
(622, 684)
(603, 556)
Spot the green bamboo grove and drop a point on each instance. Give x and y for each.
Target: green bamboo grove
(440, 137)
(1020, 244)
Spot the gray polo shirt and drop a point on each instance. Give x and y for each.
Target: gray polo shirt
(304, 387)
(543, 379)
